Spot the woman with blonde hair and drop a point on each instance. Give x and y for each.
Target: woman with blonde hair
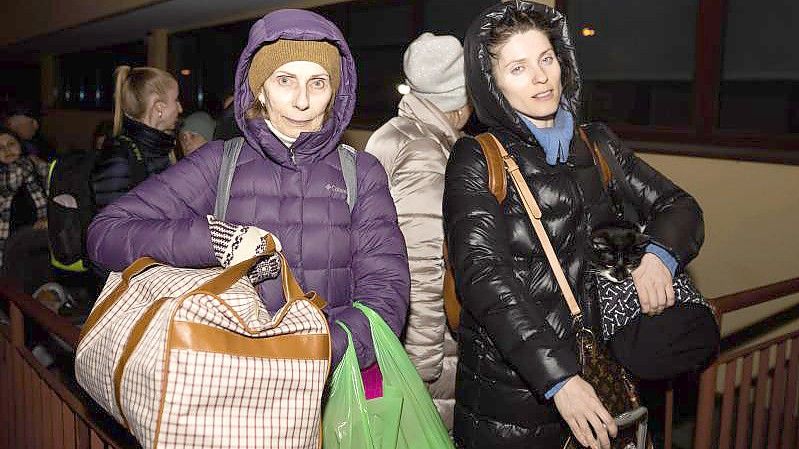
(146, 110)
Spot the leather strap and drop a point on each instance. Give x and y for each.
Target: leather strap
(136, 334)
(599, 159)
(291, 289)
(134, 269)
(205, 338)
(602, 148)
(497, 182)
(498, 186)
(490, 144)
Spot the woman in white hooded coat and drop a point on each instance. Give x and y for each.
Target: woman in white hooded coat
(413, 148)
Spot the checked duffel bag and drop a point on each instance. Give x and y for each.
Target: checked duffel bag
(191, 358)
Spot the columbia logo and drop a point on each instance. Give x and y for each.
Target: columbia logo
(336, 189)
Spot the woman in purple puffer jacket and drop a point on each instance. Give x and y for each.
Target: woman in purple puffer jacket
(294, 97)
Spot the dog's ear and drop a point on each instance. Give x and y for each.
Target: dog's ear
(599, 242)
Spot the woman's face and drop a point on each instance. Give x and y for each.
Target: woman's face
(528, 74)
(167, 109)
(296, 97)
(10, 149)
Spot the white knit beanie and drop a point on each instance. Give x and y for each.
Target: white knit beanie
(434, 70)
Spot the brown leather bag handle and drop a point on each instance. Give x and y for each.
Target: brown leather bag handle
(291, 288)
(133, 270)
(216, 286)
(490, 144)
(599, 158)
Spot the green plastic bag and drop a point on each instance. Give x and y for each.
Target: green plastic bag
(404, 418)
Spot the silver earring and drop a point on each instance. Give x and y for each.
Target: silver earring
(160, 114)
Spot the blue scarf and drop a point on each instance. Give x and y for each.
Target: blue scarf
(555, 141)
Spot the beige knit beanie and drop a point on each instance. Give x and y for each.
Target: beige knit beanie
(273, 55)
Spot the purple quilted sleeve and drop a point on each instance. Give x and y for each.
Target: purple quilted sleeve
(163, 217)
(379, 263)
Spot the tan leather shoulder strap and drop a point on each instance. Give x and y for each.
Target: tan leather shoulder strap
(531, 206)
(497, 183)
(599, 158)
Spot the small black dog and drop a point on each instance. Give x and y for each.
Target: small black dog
(617, 250)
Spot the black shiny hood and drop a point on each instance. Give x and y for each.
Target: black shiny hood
(489, 103)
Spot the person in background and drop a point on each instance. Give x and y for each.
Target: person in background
(102, 132)
(413, 148)
(24, 121)
(295, 96)
(146, 110)
(226, 127)
(197, 130)
(23, 202)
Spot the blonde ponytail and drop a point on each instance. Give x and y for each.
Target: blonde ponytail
(133, 89)
(120, 76)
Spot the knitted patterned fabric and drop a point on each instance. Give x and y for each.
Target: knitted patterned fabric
(24, 172)
(234, 243)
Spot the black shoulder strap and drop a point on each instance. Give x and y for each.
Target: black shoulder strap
(599, 136)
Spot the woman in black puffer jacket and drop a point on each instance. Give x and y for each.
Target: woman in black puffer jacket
(146, 110)
(518, 382)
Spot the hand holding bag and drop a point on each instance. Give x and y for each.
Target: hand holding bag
(191, 358)
(685, 337)
(609, 379)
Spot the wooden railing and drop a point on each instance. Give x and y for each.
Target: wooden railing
(771, 404)
(40, 408)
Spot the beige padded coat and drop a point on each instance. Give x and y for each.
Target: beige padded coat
(413, 148)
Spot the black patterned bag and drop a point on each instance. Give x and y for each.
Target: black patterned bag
(619, 304)
(678, 345)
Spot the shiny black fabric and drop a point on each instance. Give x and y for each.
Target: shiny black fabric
(516, 339)
(111, 177)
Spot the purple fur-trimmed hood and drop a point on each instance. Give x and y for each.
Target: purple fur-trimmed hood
(295, 24)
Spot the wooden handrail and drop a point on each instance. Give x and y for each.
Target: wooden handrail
(703, 429)
(58, 326)
(10, 291)
(729, 357)
(755, 296)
